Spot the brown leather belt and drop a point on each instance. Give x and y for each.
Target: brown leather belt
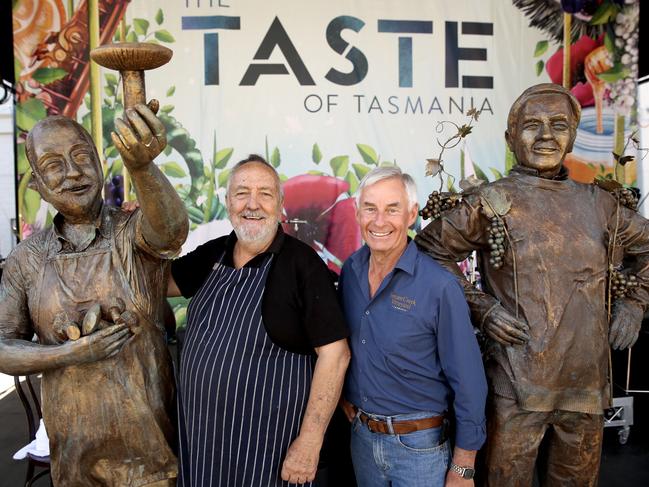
(400, 427)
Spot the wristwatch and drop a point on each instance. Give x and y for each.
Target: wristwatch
(464, 472)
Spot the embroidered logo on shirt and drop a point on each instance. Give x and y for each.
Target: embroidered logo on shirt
(402, 303)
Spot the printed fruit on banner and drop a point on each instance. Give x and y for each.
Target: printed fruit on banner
(581, 88)
(330, 221)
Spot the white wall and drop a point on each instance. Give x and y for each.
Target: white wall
(643, 122)
(7, 179)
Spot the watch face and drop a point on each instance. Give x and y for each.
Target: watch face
(468, 473)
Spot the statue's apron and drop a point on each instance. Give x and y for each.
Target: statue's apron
(108, 421)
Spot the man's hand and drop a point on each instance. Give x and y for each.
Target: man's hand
(625, 324)
(301, 462)
(506, 329)
(348, 409)
(140, 137)
(463, 458)
(97, 346)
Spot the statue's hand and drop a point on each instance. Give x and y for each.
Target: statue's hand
(625, 324)
(506, 329)
(97, 346)
(140, 138)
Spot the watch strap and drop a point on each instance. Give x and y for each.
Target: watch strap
(464, 472)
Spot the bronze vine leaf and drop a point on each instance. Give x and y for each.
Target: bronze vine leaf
(464, 130)
(433, 167)
(494, 202)
(609, 185)
(625, 159)
(470, 183)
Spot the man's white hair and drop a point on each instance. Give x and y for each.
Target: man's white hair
(387, 172)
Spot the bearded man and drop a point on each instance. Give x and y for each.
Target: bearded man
(265, 351)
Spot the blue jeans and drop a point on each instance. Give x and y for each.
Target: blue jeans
(418, 459)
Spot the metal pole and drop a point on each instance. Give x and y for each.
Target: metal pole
(95, 79)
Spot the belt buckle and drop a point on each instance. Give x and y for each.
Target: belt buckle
(374, 425)
(365, 419)
(376, 422)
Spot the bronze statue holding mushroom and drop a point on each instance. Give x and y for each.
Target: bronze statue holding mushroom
(91, 288)
(547, 247)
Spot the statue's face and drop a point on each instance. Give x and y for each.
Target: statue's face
(543, 135)
(67, 171)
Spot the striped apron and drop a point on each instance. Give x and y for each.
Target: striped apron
(241, 397)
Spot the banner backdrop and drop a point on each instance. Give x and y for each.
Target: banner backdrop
(327, 90)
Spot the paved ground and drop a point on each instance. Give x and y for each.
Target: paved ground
(13, 436)
(622, 465)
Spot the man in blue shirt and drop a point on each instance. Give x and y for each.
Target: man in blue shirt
(413, 350)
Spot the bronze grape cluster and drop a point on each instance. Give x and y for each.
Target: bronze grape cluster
(628, 197)
(437, 203)
(497, 242)
(621, 284)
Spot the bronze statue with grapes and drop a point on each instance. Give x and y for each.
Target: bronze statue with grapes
(553, 296)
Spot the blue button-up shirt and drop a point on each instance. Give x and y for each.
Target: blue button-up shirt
(413, 346)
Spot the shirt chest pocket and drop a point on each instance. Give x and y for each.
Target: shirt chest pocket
(403, 331)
